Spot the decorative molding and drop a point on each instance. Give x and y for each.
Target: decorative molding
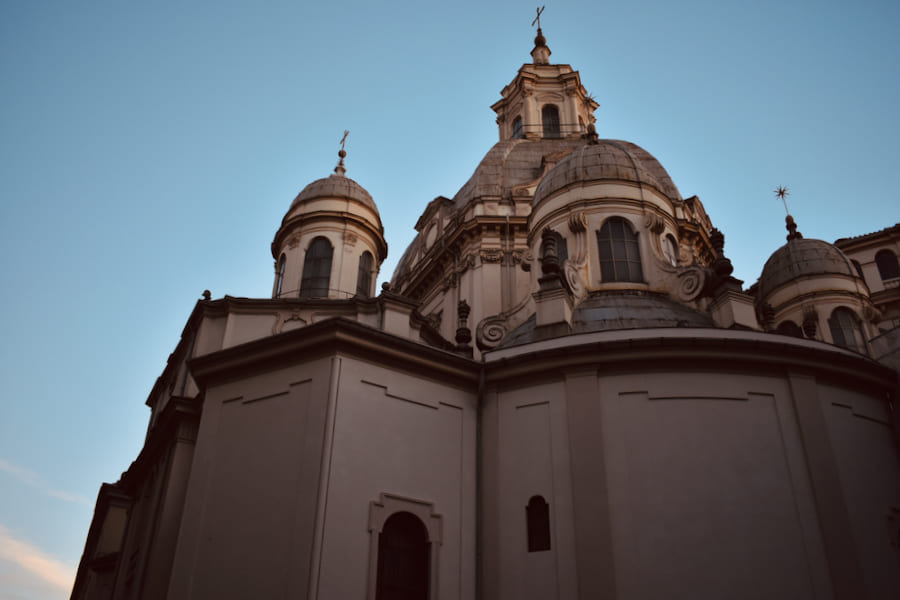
(577, 222)
(691, 281)
(451, 280)
(810, 322)
(871, 313)
(654, 223)
(284, 318)
(490, 332)
(434, 319)
(573, 274)
(524, 258)
(491, 255)
(387, 393)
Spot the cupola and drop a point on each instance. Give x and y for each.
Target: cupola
(809, 288)
(331, 241)
(544, 101)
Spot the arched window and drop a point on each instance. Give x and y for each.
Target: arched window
(790, 328)
(279, 276)
(887, 264)
(316, 269)
(537, 516)
(364, 275)
(620, 257)
(845, 330)
(550, 121)
(403, 557)
(517, 129)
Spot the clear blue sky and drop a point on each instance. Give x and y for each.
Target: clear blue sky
(149, 150)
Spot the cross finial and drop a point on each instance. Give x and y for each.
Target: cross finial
(537, 19)
(782, 193)
(340, 169)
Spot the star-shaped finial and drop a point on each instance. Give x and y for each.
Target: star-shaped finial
(782, 193)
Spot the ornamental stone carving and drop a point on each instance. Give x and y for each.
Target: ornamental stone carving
(871, 313)
(577, 222)
(434, 319)
(450, 281)
(690, 283)
(491, 255)
(810, 322)
(575, 280)
(654, 223)
(490, 332)
(286, 322)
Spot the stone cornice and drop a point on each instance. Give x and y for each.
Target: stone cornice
(690, 350)
(223, 306)
(108, 496)
(327, 337)
(876, 238)
(178, 421)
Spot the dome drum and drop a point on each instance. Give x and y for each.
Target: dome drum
(583, 263)
(325, 221)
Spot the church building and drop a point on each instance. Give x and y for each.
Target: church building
(562, 393)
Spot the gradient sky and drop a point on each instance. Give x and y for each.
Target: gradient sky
(148, 151)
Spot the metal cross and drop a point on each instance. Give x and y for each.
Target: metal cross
(782, 192)
(537, 19)
(344, 139)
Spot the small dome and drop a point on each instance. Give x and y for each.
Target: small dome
(608, 160)
(335, 186)
(802, 257)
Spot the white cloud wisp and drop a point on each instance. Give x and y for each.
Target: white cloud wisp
(37, 562)
(34, 480)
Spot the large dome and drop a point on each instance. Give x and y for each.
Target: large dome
(334, 186)
(511, 163)
(802, 257)
(608, 160)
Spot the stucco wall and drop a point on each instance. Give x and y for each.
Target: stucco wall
(707, 490)
(684, 484)
(866, 456)
(249, 512)
(400, 434)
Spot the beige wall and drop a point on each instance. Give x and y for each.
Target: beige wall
(707, 485)
(395, 433)
(866, 454)
(287, 465)
(250, 507)
(689, 485)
